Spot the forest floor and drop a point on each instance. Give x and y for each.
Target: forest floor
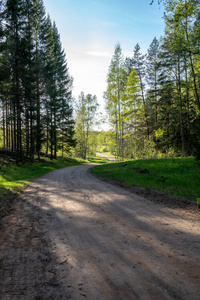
(74, 236)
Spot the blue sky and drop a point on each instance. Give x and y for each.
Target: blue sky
(90, 29)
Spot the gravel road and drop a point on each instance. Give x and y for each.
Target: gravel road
(73, 236)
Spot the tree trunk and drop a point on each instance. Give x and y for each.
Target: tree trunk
(4, 129)
(182, 133)
(144, 104)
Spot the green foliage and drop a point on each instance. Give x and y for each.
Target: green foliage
(86, 118)
(196, 138)
(149, 149)
(106, 142)
(153, 100)
(114, 95)
(93, 160)
(177, 177)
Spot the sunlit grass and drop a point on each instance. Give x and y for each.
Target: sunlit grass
(177, 177)
(95, 160)
(14, 178)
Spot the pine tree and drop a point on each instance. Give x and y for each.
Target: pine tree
(66, 140)
(34, 80)
(57, 84)
(28, 81)
(14, 28)
(38, 37)
(152, 71)
(5, 84)
(175, 44)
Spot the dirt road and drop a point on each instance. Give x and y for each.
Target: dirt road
(110, 158)
(73, 236)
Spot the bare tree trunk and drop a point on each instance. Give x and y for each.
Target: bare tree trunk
(4, 130)
(182, 133)
(55, 136)
(144, 104)
(47, 133)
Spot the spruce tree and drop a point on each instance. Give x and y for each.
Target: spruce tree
(57, 84)
(35, 85)
(39, 40)
(14, 28)
(152, 75)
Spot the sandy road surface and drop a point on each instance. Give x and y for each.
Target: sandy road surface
(73, 236)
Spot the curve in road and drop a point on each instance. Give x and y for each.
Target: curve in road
(73, 236)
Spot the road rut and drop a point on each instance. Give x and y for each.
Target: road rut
(74, 236)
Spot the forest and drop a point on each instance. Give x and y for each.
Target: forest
(152, 100)
(36, 87)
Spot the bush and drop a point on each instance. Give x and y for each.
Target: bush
(196, 139)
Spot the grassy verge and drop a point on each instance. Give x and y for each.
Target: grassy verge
(176, 177)
(93, 160)
(14, 178)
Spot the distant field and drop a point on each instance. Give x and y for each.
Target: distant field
(177, 177)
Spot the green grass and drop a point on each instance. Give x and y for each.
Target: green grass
(94, 160)
(14, 178)
(177, 177)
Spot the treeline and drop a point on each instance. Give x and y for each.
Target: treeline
(153, 99)
(35, 85)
